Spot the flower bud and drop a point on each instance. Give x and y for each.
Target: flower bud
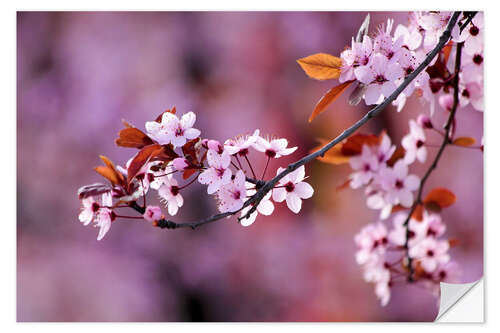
(180, 163)
(153, 213)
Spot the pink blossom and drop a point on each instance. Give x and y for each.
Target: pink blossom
(104, 216)
(265, 206)
(358, 55)
(232, 194)
(90, 206)
(365, 165)
(411, 38)
(180, 163)
(273, 147)
(172, 130)
(152, 213)
(379, 75)
(293, 189)
(170, 194)
(398, 185)
(384, 44)
(414, 144)
(215, 146)
(474, 35)
(417, 230)
(241, 144)
(218, 174)
(372, 242)
(430, 253)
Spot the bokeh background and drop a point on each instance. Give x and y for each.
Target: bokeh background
(79, 74)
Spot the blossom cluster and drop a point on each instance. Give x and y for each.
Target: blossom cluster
(389, 187)
(381, 62)
(381, 251)
(171, 147)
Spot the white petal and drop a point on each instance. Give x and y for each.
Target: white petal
(279, 194)
(304, 190)
(192, 133)
(104, 228)
(187, 120)
(251, 219)
(293, 202)
(265, 207)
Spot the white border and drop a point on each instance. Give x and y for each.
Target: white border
(8, 167)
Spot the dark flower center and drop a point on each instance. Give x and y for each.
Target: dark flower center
(270, 153)
(380, 78)
(474, 30)
(244, 152)
(174, 190)
(366, 167)
(399, 184)
(179, 131)
(420, 143)
(430, 253)
(465, 93)
(478, 59)
(289, 187)
(95, 207)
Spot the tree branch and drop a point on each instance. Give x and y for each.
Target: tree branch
(446, 141)
(269, 185)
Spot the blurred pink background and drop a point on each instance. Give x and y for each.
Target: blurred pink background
(79, 74)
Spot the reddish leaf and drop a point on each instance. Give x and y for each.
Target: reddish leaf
(354, 144)
(167, 154)
(453, 242)
(321, 66)
(344, 185)
(398, 154)
(332, 156)
(188, 173)
(418, 213)
(132, 137)
(189, 151)
(440, 196)
(109, 172)
(464, 141)
(398, 208)
(141, 159)
(328, 98)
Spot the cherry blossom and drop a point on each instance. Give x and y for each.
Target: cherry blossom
(104, 216)
(398, 184)
(241, 144)
(379, 75)
(414, 144)
(218, 174)
(172, 130)
(358, 55)
(170, 194)
(152, 213)
(265, 206)
(293, 189)
(90, 206)
(273, 148)
(232, 195)
(372, 242)
(365, 165)
(430, 253)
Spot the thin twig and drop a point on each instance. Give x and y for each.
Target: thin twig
(269, 185)
(446, 141)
